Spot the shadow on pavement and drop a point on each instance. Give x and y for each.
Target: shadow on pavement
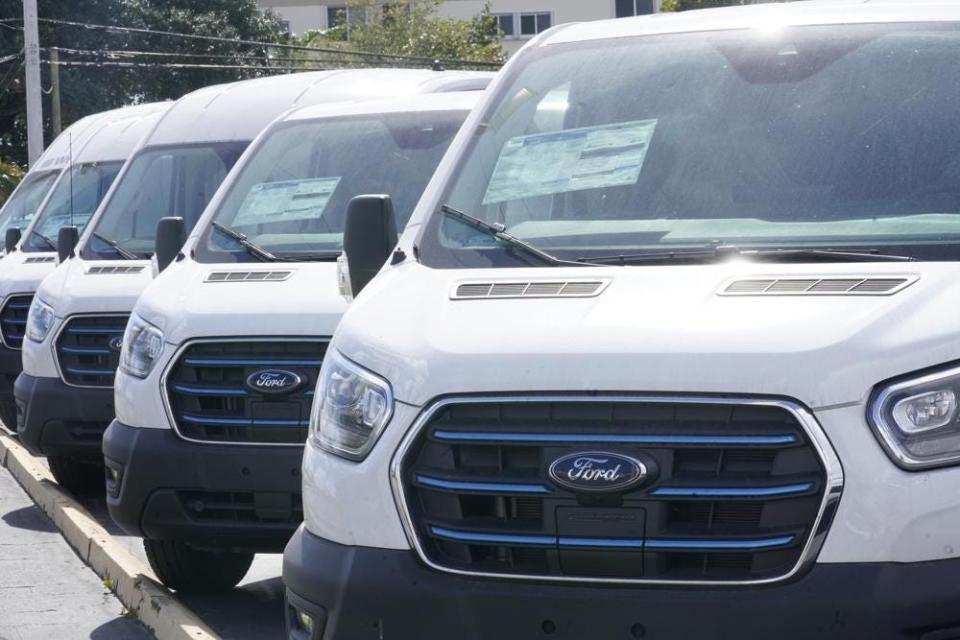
(29, 518)
(254, 610)
(120, 629)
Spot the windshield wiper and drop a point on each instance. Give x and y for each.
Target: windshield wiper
(46, 240)
(123, 253)
(721, 252)
(252, 248)
(311, 257)
(498, 231)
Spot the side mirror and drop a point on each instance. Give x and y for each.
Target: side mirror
(11, 239)
(369, 236)
(171, 234)
(66, 242)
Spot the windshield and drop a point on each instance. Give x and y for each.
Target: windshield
(840, 137)
(22, 205)
(291, 198)
(74, 199)
(160, 182)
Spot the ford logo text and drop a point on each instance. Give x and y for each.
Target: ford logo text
(116, 344)
(597, 472)
(274, 381)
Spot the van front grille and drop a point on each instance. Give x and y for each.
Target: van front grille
(88, 349)
(210, 400)
(13, 320)
(736, 490)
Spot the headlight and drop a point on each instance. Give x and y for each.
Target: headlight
(40, 320)
(918, 420)
(142, 345)
(351, 408)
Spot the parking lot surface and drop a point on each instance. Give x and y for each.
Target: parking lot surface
(46, 591)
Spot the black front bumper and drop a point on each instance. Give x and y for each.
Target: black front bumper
(11, 364)
(54, 418)
(363, 593)
(218, 496)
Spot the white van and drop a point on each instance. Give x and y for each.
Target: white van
(223, 350)
(73, 198)
(19, 209)
(74, 335)
(671, 351)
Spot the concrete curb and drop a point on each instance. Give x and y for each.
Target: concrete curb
(132, 582)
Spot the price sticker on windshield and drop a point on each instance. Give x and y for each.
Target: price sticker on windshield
(572, 160)
(287, 200)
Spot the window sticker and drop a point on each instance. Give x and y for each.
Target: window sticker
(572, 160)
(287, 200)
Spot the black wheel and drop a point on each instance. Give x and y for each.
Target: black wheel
(184, 568)
(8, 415)
(82, 476)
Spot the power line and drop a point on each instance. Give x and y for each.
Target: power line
(272, 45)
(172, 65)
(127, 53)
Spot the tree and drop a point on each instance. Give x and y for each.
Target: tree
(10, 177)
(413, 29)
(89, 89)
(684, 5)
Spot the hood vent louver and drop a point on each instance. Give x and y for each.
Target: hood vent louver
(119, 269)
(828, 286)
(558, 289)
(247, 276)
(40, 259)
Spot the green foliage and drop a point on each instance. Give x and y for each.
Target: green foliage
(684, 5)
(10, 176)
(87, 90)
(416, 29)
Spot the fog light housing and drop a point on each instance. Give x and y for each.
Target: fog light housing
(305, 621)
(113, 475)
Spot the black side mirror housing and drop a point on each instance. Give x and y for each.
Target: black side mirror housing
(11, 239)
(369, 236)
(67, 239)
(171, 234)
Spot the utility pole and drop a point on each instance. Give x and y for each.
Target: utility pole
(55, 91)
(31, 46)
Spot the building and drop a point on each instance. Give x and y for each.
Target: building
(519, 19)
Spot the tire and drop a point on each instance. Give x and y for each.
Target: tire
(184, 568)
(82, 476)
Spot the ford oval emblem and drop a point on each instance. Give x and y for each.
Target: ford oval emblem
(597, 472)
(116, 344)
(274, 381)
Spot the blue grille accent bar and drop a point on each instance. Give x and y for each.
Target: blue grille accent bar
(96, 330)
(91, 372)
(493, 538)
(240, 362)
(19, 305)
(486, 487)
(208, 391)
(733, 492)
(665, 440)
(614, 543)
(21, 323)
(246, 421)
(86, 350)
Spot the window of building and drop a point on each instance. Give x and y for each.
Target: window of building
(533, 23)
(336, 17)
(627, 8)
(506, 24)
(285, 26)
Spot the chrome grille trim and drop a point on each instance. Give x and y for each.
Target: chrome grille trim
(817, 286)
(833, 483)
(174, 359)
(529, 289)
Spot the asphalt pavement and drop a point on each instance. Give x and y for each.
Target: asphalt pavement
(46, 591)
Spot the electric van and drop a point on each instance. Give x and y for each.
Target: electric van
(223, 349)
(77, 319)
(670, 347)
(74, 196)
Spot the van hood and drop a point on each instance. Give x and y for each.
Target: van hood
(95, 286)
(653, 329)
(193, 300)
(21, 273)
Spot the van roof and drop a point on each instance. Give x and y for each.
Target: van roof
(240, 110)
(451, 101)
(813, 12)
(89, 138)
(119, 132)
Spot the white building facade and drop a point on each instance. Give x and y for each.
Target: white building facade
(520, 20)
